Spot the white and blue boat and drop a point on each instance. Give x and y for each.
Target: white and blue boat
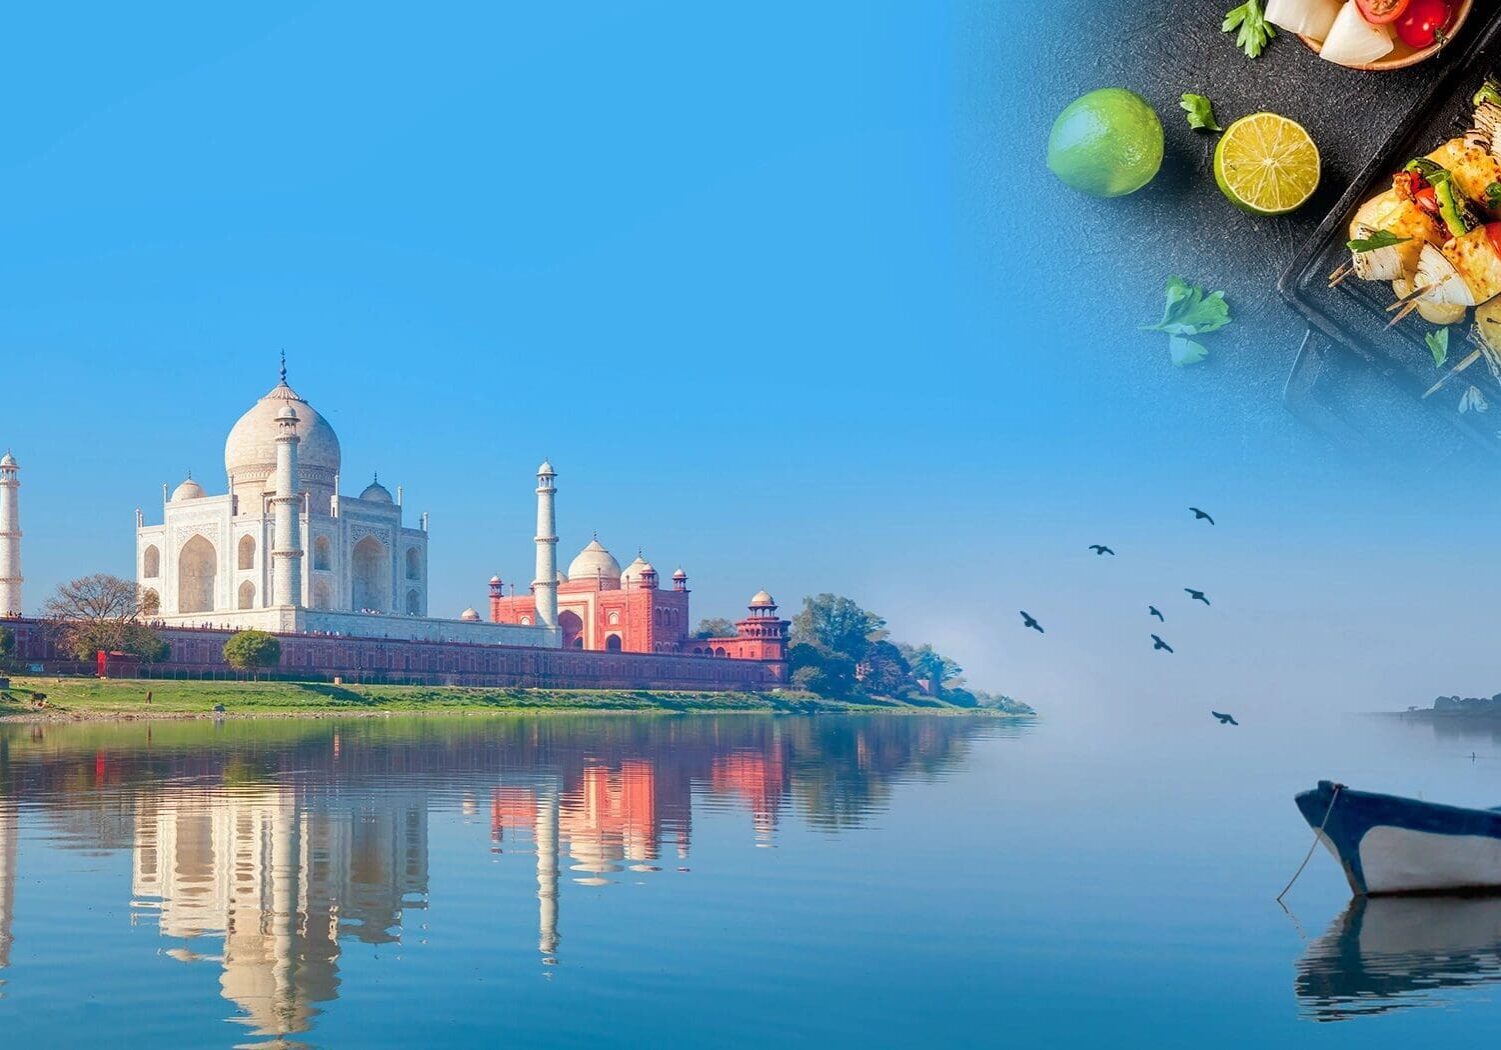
(1389, 844)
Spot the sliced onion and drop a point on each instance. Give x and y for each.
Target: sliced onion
(1379, 264)
(1352, 41)
(1443, 283)
(1487, 125)
(1310, 18)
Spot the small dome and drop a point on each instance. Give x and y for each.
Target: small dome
(375, 492)
(594, 562)
(189, 489)
(636, 571)
(680, 574)
(545, 470)
(471, 615)
(286, 412)
(762, 600)
(8, 460)
(494, 579)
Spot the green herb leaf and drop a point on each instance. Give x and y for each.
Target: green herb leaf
(1255, 30)
(1493, 196)
(1190, 311)
(1185, 351)
(1473, 401)
(1438, 346)
(1200, 112)
(1379, 239)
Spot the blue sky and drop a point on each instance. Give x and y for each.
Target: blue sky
(721, 266)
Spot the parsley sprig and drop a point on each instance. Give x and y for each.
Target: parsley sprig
(1200, 112)
(1190, 311)
(1379, 239)
(1255, 30)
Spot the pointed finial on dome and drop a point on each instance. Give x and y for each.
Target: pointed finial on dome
(283, 364)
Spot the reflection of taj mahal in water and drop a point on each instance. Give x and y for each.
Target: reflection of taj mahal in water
(266, 880)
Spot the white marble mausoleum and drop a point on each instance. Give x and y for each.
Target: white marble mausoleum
(283, 549)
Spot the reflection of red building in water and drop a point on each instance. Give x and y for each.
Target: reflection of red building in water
(602, 607)
(760, 778)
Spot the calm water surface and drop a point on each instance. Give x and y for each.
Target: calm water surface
(562, 881)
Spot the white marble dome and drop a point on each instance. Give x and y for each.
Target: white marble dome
(469, 615)
(762, 600)
(377, 493)
(250, 451)
(594, 562)
(189, 489)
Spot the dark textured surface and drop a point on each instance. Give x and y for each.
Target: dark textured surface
(1124, 249)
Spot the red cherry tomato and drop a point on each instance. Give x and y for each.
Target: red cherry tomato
(1423, 23)
(1493, 230)
(1380, 12)
(1426, 199)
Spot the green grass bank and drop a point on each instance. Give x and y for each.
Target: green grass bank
(89, 698)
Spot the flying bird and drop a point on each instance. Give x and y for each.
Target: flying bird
(1158, 643)
(1197, 596)
(1199, 515)
(1157, 613)
(1028, 621)
(1100, 548)
(1225, 720)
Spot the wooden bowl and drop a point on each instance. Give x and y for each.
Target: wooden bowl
(1405, 56)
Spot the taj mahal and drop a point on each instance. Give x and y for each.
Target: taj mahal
(284, 549)
(283, 536)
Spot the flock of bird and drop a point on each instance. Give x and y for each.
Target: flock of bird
(1158, 645)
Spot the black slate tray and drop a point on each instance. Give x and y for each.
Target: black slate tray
(1354, 315)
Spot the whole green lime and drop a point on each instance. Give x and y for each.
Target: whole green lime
(1106, 144)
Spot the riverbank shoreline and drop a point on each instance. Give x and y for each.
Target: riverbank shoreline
(91, 700)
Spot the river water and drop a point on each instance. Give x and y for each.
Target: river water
(697, 881)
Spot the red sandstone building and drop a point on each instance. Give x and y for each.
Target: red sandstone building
(605, 609)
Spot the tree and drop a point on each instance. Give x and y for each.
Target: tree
(886, 672)
(7, 648)
(837, 625)
(102, 612)
(252, 651)
(834, 678)
(717, 627)
(801, 655)
(930, 666)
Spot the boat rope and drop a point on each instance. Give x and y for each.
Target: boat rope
(1309, 856)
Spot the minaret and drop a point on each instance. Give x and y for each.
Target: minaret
(545, 587)
(546, 836)
(10, 536)
(286, 505)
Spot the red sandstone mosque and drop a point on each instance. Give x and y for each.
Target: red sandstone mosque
(603, 608)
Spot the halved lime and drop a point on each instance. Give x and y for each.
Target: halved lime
(1266, 164)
